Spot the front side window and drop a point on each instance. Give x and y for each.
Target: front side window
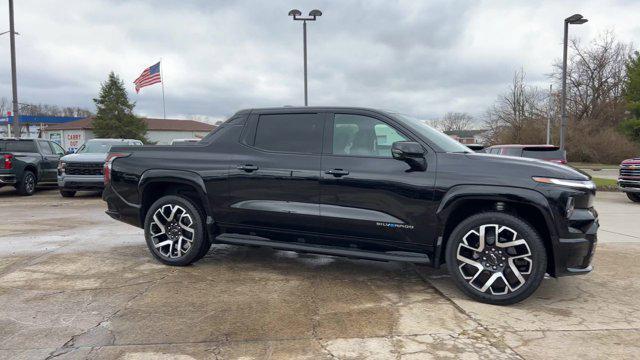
(292, 133)
(57, 149)
(45, 147)
(359, 135)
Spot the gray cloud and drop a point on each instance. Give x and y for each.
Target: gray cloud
(418, 57)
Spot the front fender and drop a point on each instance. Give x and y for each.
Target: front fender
(457, 195)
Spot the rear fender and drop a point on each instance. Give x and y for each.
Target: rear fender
(179, 177)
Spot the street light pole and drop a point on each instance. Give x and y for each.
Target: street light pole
(313, 14)
(550, 114)
(576, 19)
(304, 42)
(14, 82)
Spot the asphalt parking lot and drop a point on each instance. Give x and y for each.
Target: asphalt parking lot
(76, 284)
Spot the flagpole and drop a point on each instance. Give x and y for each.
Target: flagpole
(164, 108)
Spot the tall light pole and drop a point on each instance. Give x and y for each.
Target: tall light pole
(313, 14)
(14, 82)
(550, 114)
(575, 19)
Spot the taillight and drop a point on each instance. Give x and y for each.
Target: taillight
(107, 165)
(558, 161)
(8, 161)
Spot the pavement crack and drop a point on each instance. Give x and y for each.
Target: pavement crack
(469, 315)
(108, 338)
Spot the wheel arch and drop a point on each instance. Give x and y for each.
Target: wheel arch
(157, 183)
(33, 169)
(463, 201)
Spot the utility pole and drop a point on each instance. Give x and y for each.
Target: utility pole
(14, 81)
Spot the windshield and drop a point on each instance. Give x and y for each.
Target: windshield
(97, 147)
(443, 141)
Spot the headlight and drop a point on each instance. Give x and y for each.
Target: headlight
(580, 184)
(61, 167)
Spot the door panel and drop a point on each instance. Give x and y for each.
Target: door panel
(374, 196)
(276, 186)
(49, 162)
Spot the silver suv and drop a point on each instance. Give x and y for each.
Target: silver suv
(83, 170)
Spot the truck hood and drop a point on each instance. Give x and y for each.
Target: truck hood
(634, 161)
(526, 167)
(86, 158)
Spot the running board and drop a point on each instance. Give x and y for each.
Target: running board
(236, 239)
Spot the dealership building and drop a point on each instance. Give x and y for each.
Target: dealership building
(71, 135)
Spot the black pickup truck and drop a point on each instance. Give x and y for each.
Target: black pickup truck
(29, 162)
(360, 183)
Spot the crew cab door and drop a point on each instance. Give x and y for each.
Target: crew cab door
(49, 163)
(274, 181)
(366, 194)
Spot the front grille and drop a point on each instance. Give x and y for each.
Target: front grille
(630, 171)
(83, 169)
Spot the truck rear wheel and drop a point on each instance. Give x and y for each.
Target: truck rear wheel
(174, 231)
(27, 185)
(635, 197)
(496, 258)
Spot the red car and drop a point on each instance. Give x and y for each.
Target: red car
(543, 152)
(629, 178)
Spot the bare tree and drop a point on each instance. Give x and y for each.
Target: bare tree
(456, 121)
(53, 110)
(4, 106)
(516, 113)
(595, 80)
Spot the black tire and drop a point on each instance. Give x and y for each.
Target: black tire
(635, 197)
(198, 241)
(27, 184)
(531, 269)
(67, 193)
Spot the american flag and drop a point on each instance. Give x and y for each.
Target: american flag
(149, 76)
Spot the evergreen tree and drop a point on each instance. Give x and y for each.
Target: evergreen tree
(631, 126)
(632, 85)
(114, 117)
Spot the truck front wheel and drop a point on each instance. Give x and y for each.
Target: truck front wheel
(174, 230)
(635, 197)
(67, 193)
(496, 258)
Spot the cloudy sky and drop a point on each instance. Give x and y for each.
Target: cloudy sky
(420, 57)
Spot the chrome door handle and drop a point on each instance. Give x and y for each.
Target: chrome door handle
(248, 168)
(337, 172)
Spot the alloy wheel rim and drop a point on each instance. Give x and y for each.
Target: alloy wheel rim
(494, 259)
(30, 183)
(172, 231)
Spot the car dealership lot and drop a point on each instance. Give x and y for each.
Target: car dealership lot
(77, 284)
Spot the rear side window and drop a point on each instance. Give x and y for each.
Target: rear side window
(18, 146)
(512, 151)
(544, 154)
(294, 133)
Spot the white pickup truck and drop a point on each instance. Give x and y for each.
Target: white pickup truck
(83, 170)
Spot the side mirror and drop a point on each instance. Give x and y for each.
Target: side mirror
(410, 152)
